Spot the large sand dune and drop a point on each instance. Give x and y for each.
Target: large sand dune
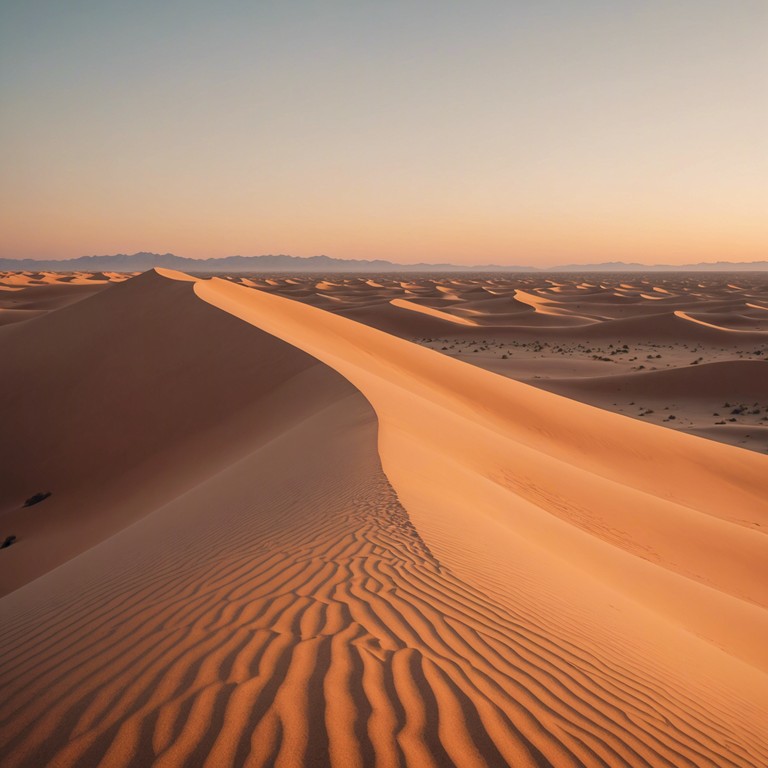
(116, 404)
(362, 552)
(615, 329)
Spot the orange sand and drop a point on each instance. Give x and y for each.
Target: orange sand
(278, 536)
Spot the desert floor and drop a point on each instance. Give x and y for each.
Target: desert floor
(359, 521)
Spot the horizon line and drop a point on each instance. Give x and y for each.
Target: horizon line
(510, 266)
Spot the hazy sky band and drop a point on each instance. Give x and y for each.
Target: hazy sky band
(507, 132)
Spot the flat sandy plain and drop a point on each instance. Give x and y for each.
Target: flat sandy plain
(379, 521)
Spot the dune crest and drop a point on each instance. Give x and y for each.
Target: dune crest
(431, 312)
(454, 438)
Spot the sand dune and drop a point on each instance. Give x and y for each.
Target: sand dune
(736, 380)
(674, 325)
(342, 548)
(728, 322)
(550, 334)
(533, 307)
(723, 401)
(121, 418)
(547, 425)
(9, 316)
(432, 312)
(442, 462)
(24, 295)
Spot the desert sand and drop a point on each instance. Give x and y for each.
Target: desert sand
(374, 521)
(640, 345)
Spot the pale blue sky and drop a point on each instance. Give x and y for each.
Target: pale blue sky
(512, 132)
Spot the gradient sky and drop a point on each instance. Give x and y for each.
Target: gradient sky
(540, 132)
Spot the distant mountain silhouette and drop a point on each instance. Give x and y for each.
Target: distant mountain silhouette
(703, 266)
(140, 262)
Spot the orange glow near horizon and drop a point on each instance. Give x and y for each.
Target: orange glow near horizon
(498, 134)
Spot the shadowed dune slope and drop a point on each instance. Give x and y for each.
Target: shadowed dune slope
(667, 325)
(118, 403)
(46, 297)
(727, 323)
(517, 590)
(284, 609)
(10, 316)
(728, 380)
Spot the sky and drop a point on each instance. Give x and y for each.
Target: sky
(492, 131)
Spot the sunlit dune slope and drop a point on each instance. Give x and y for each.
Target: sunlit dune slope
(728, 323)
(537, 307)
(432, 312)
(557, 508)
(599, 490)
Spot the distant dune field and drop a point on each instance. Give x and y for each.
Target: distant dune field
(384, 521)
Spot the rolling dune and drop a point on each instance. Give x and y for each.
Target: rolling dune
(432, 312)
(24, 295)
(745, 380)
(728, 323)
(359, 551)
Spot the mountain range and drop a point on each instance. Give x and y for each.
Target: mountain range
(139, 262)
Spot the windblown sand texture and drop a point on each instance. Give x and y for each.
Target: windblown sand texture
(282, 535)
